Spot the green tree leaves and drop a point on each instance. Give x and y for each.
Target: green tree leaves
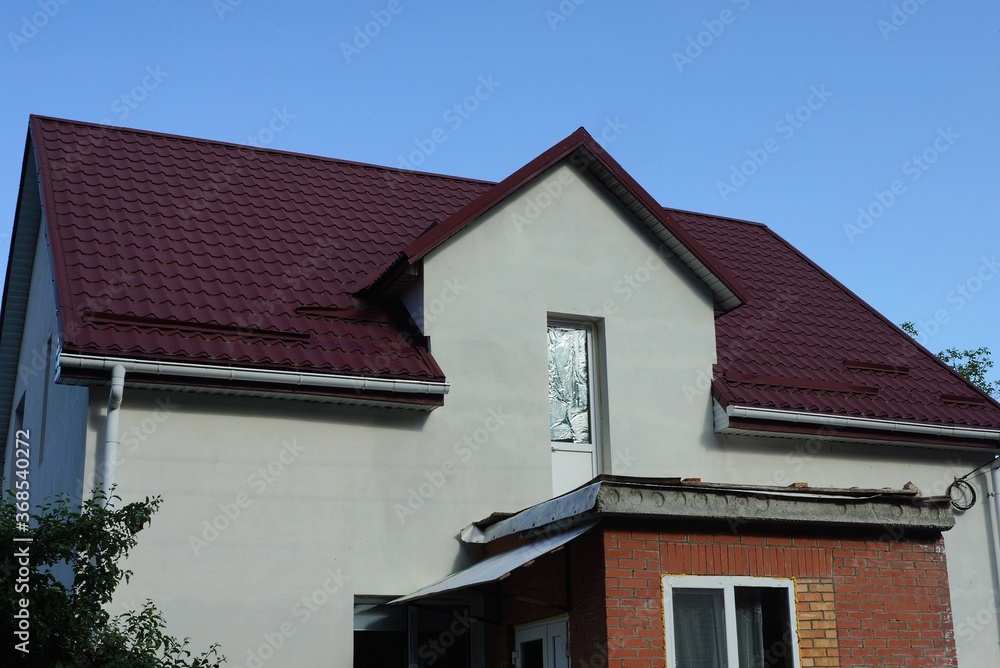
(974, 365)
(73, 570)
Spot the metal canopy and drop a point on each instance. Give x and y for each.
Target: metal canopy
(498, 566)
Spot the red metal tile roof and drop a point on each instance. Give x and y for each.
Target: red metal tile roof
(804, 342)
(179, 249)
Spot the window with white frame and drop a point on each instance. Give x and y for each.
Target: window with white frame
(573, 404)
(730, 622)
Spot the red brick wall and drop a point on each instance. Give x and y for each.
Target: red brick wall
(893, 605)
(867, 602)
(546, 580)
(860, 601)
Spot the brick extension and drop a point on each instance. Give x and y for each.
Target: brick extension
(862, 599)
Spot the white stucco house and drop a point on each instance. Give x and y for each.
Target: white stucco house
(403, 419)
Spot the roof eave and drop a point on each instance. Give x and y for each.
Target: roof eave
(752, 420)
(28, 219)
(76, 368)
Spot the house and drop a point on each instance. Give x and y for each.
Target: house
(400, 418)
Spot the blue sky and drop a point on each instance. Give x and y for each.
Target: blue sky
(865, 133)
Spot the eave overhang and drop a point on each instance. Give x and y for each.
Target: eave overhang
(218, 379)
(28, 220)
(751, 420)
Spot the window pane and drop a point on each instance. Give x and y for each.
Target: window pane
(749, 627)
(764, 628)
(532, 654)
(379, 633)
(380, 648)
(699, 628)
(444, 637)
(569, 385)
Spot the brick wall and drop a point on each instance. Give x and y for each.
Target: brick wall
(860, 602)
(580, 588)
(817, 622)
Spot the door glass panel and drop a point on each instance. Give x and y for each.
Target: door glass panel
(569, 386)
(532, 653)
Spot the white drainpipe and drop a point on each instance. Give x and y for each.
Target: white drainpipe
(112, 438)
(995, 479)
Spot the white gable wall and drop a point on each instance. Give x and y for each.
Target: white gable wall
(580, 255)
(55, 416)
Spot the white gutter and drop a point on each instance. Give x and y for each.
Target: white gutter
(247, 375)
(111, 436)
(797, 417)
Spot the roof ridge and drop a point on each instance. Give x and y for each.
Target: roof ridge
(717, 217)
(256, 149)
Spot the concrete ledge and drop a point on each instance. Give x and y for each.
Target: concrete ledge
(615, 496)
(776, 507)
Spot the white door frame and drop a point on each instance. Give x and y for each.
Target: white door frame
(554, 634)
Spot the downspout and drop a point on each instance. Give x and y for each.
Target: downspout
(995, 480)
(112, 437)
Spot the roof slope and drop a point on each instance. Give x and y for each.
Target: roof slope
(804, 342)
(179, 249)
